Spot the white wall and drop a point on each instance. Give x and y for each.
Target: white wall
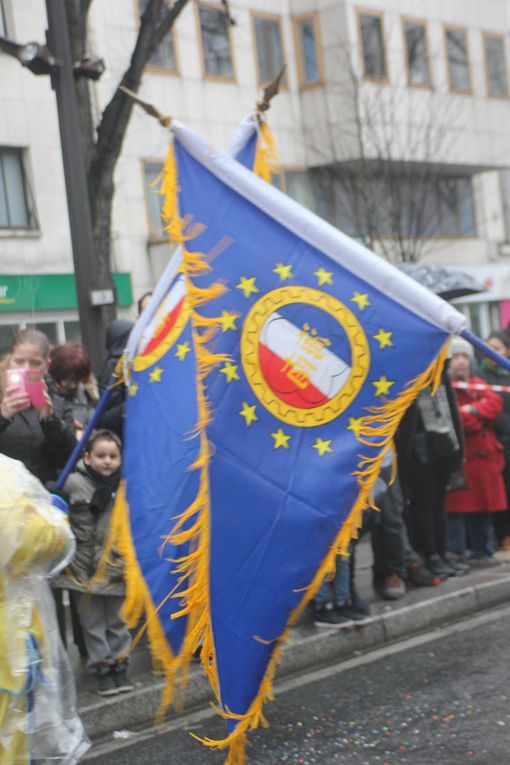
(310, 126)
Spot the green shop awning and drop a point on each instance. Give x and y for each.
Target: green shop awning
(51, 292)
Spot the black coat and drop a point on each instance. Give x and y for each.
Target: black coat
(42, 446)
(117, 336)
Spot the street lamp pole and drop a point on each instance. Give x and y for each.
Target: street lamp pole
(90, 291)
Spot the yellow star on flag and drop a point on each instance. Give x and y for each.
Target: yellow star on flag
(155, 375)
(323, 276)
(228, 320)
(280, 439)
(247, 286)
(248, 412)
(361, 300)
(230, 371)
(382, 385)
(355, 424)
(322, 446)
(182, 350)
(284, 272)
(133, 389)
(383, 338)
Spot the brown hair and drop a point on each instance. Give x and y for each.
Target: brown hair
(33, 337)
(69, 360)
(103, 434)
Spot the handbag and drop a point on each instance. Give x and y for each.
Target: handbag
(458, 480)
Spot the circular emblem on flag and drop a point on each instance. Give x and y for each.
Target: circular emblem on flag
(304, 354)
(165, 326)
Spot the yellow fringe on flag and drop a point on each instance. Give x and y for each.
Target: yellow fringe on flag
(379, 425)
(377, 431)
(193, 568)
(266, 157)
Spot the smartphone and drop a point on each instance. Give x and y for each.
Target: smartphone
(18, 379)
(29, 381)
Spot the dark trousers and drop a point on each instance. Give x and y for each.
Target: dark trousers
(426, 487)
(390, 546)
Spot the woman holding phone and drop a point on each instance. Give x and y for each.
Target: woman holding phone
(30, 431)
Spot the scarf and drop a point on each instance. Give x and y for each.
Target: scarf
(106, 488)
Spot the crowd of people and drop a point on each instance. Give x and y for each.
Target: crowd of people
(445, 510)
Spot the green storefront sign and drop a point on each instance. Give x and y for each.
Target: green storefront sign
(51, 292)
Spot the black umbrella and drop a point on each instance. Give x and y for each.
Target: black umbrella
(445, 282)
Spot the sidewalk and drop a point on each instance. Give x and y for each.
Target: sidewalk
(422, 609)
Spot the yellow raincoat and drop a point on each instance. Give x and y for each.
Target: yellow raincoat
(37, 704)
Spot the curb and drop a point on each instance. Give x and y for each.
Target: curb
(307, 650)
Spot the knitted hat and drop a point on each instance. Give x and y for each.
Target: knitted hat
(459, 345)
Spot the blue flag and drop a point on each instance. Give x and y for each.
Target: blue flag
(327, 346)
(165, 453)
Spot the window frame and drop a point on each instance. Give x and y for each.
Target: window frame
(374, 13)
(457, 28)
(153, 236)
(278, 18)
(33, 225)
(418, 23)
(154, 68)
(313, 16)
(498, 36)
(206, 75)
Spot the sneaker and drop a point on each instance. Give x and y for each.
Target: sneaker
(460, 568)
(106, 683)
(392, 588)
(420, 576)
(329, 617)
(358, 618)
(121, 679)
(439, 567)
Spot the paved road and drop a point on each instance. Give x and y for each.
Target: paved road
(446, 702)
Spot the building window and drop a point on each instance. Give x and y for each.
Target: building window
(153, 200)
(308, 47)
(3, 24)
(372, 46)
(458, 60)
(418, 71)
(214, 28)
(313, 189)
(495, 63)
(418, 207)
(268, 38)
(16, 209)
(164, 55)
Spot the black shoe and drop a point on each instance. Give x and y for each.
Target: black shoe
(331, 618)
(458, 567)
(121, 680)
(357, 617)
(438, 567)
(420, 576)
(106, 683)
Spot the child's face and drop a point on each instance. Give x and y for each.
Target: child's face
(104, 457)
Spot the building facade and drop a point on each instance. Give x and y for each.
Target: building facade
(392, 124)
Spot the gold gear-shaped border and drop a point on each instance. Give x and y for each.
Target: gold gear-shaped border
(255, 320)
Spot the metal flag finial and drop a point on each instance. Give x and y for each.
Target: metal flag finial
(270, 91)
